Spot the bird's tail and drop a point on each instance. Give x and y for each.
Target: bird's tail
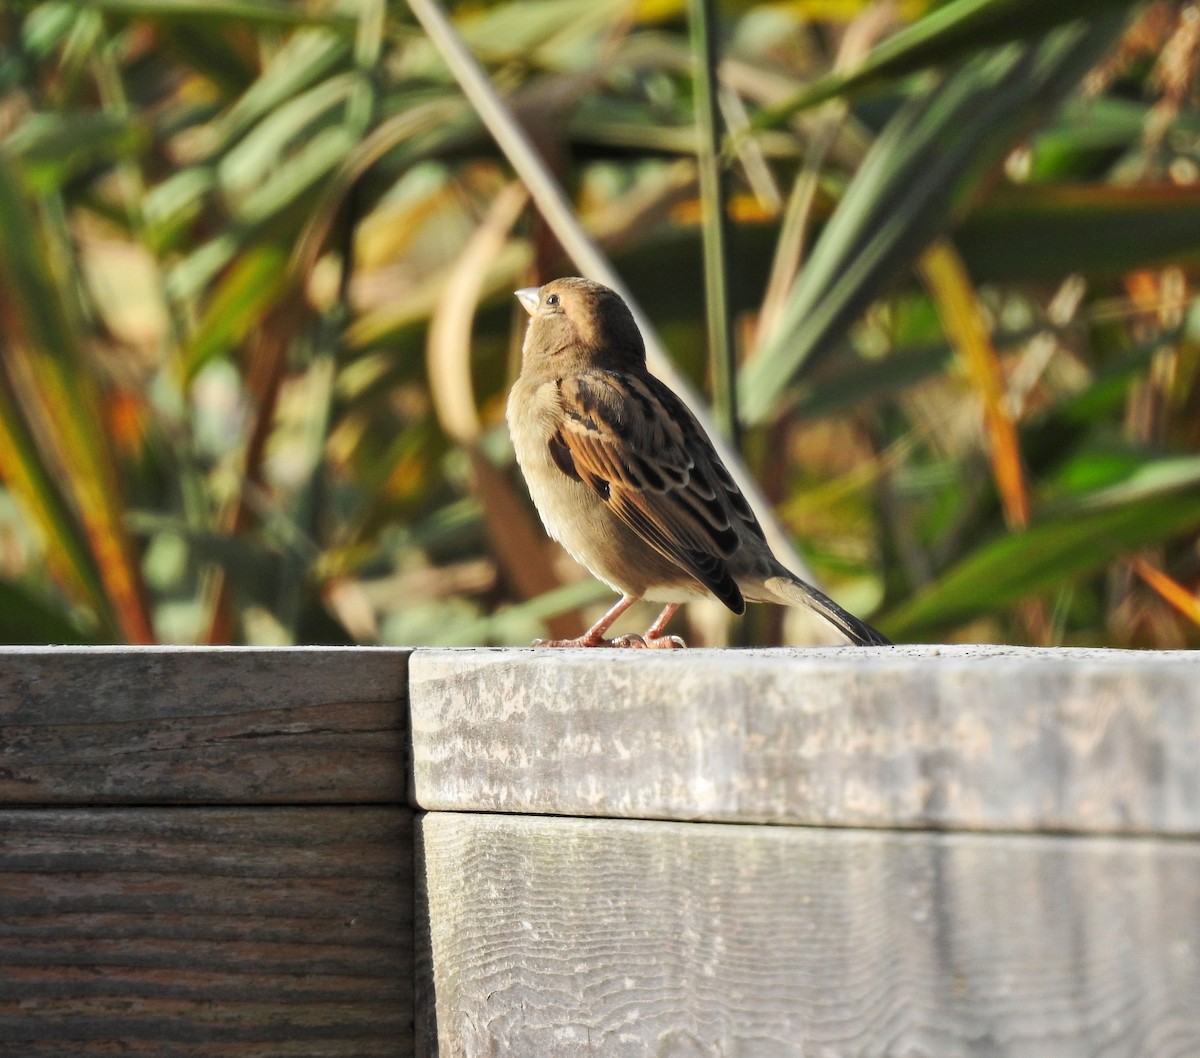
(794, 592)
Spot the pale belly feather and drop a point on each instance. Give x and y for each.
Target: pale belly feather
(591, 534)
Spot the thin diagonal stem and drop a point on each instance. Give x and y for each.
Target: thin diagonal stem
(554, 207)
(713, 189)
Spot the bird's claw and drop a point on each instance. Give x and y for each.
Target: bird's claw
(665, 643)
(633, 641)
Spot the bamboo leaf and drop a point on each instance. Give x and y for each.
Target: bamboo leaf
(253, 284)
(36, 487)
(1041, 232)
(926, 162)
(26, 618)
(55, 147)
(71, 404)
(256, 159)
(1047, 556)
(248, 12)
(714, 218)
(958, 306)
(305, 60)
(950, 31)
(1171, 590)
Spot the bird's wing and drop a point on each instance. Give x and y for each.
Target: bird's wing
(632, 441)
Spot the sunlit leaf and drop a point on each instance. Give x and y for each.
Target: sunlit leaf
(948, 32)
(35, 484)
(67, 387)
(926, 162)
(252, 285)
(1186, 602)
(962, 317)
(1049, 555)
(1046, 232)
(251, 12)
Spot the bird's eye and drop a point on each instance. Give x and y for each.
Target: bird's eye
(552, 299)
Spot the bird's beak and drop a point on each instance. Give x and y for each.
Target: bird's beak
(528, 297)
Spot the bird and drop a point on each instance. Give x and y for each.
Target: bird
(627, 481)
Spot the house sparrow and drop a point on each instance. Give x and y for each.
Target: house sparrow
(625, 478)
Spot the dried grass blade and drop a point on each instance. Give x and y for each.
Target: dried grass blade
(958, 306)
(520, 547)
(1174, 593)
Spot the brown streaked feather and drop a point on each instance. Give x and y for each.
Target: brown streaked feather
(631, 440)
(561, 455)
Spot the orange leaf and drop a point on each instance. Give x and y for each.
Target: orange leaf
(1186, 602)
(958, 306)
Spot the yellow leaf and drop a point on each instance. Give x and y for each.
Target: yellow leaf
(958, 306)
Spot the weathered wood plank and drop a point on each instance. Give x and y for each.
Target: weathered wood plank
(949, 737)
(206, 932)
(159, 725)
(632, 939)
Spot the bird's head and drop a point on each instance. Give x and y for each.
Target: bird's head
(576, 323)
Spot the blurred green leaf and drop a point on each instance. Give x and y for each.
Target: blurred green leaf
(521, 623)
(35, 483)
(1131, 481)
(1086, 135)
(1051, 554)
(714, 219)
(555, 33)
(928, 159)
(1094, 469)
(247, 12)
(855, 382)
(257, 156)
(304, 60)
(948, 32)
(1047, 232)
(252, 285)
(27, 619)
(56, 147)
(68, 391)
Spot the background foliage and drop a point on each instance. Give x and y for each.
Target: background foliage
(256, 323)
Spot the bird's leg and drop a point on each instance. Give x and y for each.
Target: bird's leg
(594, 636)
(654, 636)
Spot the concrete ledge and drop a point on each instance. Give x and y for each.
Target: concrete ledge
(974, 738)
(562, 937)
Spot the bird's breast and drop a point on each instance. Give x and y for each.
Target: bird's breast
(574, 514)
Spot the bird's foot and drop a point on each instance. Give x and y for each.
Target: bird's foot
(631, 642)
(661, 642)
(634, 641)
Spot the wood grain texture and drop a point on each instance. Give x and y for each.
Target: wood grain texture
(205, 932)
(177, 725)
(946, 737)
(633, 939)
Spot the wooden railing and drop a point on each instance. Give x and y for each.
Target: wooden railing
(917, 851)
